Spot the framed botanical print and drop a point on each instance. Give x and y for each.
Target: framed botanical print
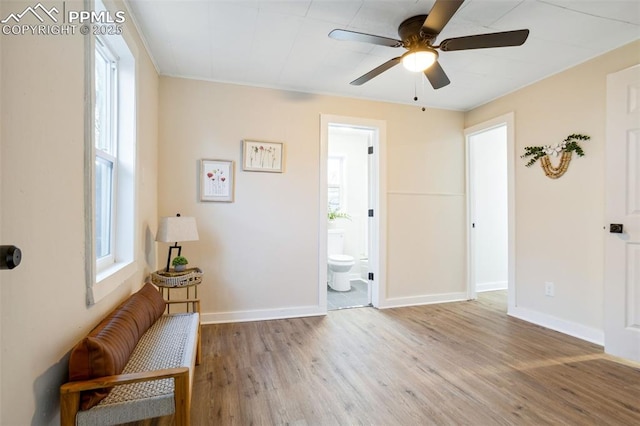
(260, 156)
(216, 180)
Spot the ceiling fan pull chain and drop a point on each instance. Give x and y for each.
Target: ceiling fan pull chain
(424, 91)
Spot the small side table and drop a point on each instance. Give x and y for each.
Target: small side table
(188, 278)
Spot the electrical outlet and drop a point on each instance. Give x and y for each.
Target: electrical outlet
(549, 289)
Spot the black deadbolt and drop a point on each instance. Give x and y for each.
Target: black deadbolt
(615, 228)
(10, 257)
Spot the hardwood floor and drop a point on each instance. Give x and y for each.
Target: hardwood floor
(461, 363)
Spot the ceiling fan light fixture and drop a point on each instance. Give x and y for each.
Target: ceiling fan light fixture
(418, 60)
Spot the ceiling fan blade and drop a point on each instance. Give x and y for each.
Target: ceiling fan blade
(347, 35)
(436, 76)
(376, 71)
(483, 41)
(440, 14)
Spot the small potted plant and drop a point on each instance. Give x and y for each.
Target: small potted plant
(332, 215)
(179, 263)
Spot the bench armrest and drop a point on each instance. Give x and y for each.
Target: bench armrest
(121, 379)
(70, 392)
(194, 304)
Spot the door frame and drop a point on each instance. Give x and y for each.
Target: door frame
(378, 235)
(508, 120)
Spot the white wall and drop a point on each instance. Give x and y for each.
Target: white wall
(43, 312)
(560, 223)
(489, 180)
(260, 253)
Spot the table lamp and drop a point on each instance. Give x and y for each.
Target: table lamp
(176, 228)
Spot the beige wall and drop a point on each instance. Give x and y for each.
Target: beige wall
(560, 223)
(43, 312)
(260, 253)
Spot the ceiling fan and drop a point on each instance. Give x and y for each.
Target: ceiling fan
(417, 35)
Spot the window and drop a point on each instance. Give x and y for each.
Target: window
(106, 153)
(335, 176)
(110, 156)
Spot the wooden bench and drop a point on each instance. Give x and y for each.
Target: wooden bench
(136, 364)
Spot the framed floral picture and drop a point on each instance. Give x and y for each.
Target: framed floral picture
(216, 180)
(262, 156)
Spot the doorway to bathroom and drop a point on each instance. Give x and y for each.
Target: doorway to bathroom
(490, 207)
(350, 216)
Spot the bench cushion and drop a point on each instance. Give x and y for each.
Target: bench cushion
(170, 342)
(106, 350)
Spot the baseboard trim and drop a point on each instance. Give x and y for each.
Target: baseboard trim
(491, 286)
(570, 328)
(311, 311)
(398, 302)
(544, 320)
(261, 315)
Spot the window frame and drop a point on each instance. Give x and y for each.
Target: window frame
(341, 185)
(100, 283)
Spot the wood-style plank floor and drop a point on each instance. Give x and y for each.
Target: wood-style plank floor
(464, 363)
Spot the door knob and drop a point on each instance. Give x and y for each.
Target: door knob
(615, 228)
(10, 257)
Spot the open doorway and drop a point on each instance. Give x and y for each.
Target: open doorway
(490, 207)
(348, 222)
(351, 217)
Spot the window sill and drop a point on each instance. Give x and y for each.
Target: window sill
(110, 279)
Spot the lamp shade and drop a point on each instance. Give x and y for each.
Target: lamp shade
(419, 59)
(177, 228)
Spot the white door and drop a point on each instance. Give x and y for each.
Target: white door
(622, 250)
(372, 223)
(487, 151)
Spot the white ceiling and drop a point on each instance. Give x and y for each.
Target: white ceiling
(284, 44)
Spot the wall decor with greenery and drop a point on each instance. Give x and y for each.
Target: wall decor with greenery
(562, 149)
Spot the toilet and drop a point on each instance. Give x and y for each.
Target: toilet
(338, 264)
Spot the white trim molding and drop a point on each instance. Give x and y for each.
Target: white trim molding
(429, 299)
(262, 314)
(491, 286)
(574, 329)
